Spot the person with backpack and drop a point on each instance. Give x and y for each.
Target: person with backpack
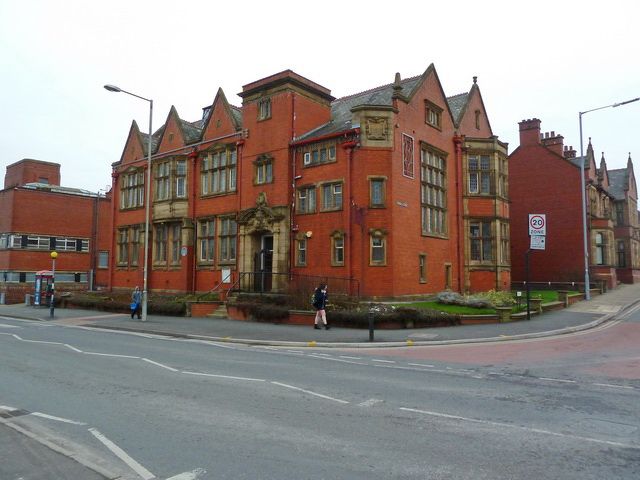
(320, 303)
(136, 299)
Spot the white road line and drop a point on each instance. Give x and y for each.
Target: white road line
(371, 402)
(8, 409)
(556, 380)
(382, 361)
(309, 392)
(18, 337)
(350, 358)
(315, 355)
(294, 351)
(122, 455)
(109, 355)
(73, 348)
(612, 386)
(57, 419)
(520, 427)
(421, 365)
(225, 376)
(160, 365)
(193, 475)
(323, 354)
(4, 325)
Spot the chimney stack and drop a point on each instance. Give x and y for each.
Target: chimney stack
(529, 132)
(569, 152)
(554, 142)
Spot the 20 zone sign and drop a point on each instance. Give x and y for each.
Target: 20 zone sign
(537, 224)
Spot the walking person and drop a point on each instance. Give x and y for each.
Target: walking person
(320, 303)
(136, 300)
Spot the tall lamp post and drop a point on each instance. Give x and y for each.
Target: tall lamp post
(145, 272)
(53, 255)
(587, 293)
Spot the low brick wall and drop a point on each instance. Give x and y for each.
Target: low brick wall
(202, 309)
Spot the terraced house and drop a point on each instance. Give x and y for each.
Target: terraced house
(394, 191)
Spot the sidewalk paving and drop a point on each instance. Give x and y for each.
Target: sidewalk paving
(580, 316)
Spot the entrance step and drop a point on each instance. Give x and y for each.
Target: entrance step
(221, 312)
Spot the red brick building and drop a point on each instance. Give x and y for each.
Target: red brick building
(544, 177)
(39, 216)
(397, 190)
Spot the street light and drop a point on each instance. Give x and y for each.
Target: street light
(587, 293)
(145, 274)
(53, 255)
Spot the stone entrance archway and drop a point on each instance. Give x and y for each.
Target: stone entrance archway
(264, 244)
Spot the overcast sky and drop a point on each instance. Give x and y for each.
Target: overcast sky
(544, 59)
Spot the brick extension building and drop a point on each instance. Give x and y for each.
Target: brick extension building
(398, 188)
(544, 177)
(39, 216)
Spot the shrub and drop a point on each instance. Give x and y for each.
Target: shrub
(263, 311)
(500, 298)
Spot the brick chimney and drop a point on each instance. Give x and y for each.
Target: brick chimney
(569, 152)
(529, 132)
(553, 142)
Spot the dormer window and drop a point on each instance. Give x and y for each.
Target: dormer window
(433, 115)
(319, 153)
(264, 109)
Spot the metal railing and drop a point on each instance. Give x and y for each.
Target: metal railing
(298, 288)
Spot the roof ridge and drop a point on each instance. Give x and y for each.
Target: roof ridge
(381, 87)
(458, 95)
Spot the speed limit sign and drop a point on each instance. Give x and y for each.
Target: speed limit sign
(537, 224)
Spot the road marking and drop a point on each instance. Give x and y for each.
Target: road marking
(520, 427)
(350, 358)
(57, 419)
(309, 392)
(109, 355)
(8, 409)
(315, 355)
(160, 365)
(192, 475)
(370, 403)
(382, 361)
(612, 386)
(4, 325)
(225, 376)
(557, 380)
(421, 365)
(73, 348)
(122, 455)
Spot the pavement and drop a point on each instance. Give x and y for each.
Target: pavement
(580, 316)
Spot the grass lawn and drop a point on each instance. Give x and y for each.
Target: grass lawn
(546, 295)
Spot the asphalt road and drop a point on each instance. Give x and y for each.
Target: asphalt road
(150, 407)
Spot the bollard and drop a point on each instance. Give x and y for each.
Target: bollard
(371, 325)
(27, 299)
(2, 296)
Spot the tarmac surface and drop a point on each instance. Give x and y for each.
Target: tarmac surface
(580, 316)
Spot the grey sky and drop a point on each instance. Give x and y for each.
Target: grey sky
(545, 59)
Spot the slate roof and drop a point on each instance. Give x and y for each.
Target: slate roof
(457, 103)
(191, 132)
(237, 115)
(576, 161)
(618, 183)
(341, 107)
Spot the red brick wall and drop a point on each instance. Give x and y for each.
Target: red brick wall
(542, 182)
(29, 171)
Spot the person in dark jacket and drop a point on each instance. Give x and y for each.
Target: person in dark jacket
(136, 300)
(320, 303)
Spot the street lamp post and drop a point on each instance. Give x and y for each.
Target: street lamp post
(53, 255)
(145, 272)
(587, 293)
